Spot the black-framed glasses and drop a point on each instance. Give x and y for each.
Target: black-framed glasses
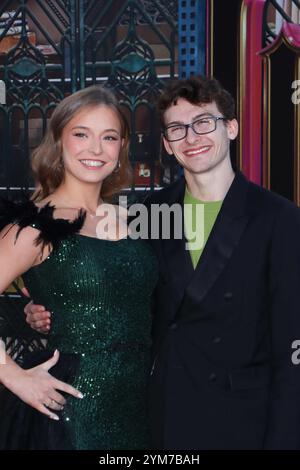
(204, 125)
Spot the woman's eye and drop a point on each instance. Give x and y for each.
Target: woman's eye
(111, 137)
(80, 134)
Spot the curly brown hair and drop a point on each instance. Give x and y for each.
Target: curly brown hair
(197, 90)
(46, 160)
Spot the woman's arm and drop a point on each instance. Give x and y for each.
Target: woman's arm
(35, 386)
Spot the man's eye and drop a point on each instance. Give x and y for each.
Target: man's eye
(175, 129)
(203, 121)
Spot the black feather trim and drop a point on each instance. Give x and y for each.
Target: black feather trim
(14, 331)
(25, 213)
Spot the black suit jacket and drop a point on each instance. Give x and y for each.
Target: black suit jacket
(222, 375)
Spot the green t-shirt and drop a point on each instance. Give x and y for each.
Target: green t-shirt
(199, 219)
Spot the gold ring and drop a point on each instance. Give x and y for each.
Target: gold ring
(50, 403)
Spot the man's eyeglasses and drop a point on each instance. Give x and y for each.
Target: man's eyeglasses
(201, 126)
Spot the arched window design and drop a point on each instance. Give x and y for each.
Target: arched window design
(269, 66)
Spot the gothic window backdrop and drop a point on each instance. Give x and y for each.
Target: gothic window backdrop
(50, 48)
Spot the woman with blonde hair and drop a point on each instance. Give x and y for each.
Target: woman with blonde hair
(98, 290)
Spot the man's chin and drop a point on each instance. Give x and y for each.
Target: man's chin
(197, 170)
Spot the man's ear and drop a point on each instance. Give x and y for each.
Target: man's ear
(167, 146)
(232, 129)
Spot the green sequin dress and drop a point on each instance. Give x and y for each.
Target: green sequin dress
(99, 294)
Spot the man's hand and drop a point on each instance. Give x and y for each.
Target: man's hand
(38, 317)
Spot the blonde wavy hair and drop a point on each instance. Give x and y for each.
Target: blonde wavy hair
(46, 159)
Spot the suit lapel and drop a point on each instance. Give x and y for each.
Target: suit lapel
(225, 236)
(176, 257)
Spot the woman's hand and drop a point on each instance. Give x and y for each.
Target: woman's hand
(39, 389)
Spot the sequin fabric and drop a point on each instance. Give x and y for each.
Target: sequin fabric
(99, 294)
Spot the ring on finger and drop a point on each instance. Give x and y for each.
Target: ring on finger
(53, 402)
(50, 402)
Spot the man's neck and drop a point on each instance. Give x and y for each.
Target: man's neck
(210, 186)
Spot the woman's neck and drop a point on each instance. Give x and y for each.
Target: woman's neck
(71, 197)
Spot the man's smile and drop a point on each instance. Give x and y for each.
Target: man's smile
(197, 151)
